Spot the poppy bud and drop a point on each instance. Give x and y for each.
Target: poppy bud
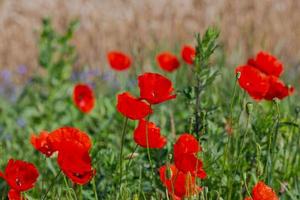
(297, 110)
(170, 156)
(238, 75)
(169, 173)
(260, 168)
(249, 108)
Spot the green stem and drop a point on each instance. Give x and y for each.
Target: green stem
(80, 192)
(94, 188)
(51, 185)
(230, 118)
(148, 152)
(121, 151)
(272, 145)
(148, 149)
(130, 159)
(68, 187)
(232, 99)
(131, 155)
(197, 106)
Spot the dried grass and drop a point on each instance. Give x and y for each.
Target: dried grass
(141, 26)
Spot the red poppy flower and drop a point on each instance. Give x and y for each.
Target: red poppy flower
(262, 192)
(15, 195)
(167, 61)
(19, 175)
(179, 184)
(75, 162)
(42, 143)
(185, 156)
(155, 88)
(267, 64)
(118, 60)
(278, 89)
(144, 129)
(83, 98)
(63, 135)
(253, 81)
(188, 54)
(260, 78)
(132, 107)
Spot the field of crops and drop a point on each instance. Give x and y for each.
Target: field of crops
(184, 125)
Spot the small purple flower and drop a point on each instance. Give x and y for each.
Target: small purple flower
(6, 75)
(22, 69)
(93, 73)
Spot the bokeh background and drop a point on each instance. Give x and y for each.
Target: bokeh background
(139, 26)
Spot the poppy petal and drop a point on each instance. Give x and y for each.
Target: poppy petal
(167, 61)
(75, 162)
(20, 176)
(263, 192)
(118, 60)
(42, 143)
(179, 184)
(14, 195)
(188, 54)
(155, 139)
(58, 137)
(155, 88)
(83, 98)
(267, 63)
(278, 89)
(254, 82)
(132, 107)
(185, 152)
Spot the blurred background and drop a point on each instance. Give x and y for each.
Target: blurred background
(138, 26)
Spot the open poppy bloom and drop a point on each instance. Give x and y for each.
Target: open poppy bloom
(178, 183)
(132, 107)
(75, 162)
(262, 192)
(155, 139)
(48, 143)
(188, 54)
(253, 81)
(60, 136)
(83, 98)
(42, 143)
(155, 88)
(20, 176)
(185, 156)
(118, 60)
(167, 61)
(260, 78)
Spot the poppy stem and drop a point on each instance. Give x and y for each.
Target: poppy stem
(148, 150)
(232, 100)
(95, 188)
(121, 150)
(130, 160)
(272, 145)
(51, 185)
(131, 155)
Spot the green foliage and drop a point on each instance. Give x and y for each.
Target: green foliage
(56, 54)
(236, 133)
